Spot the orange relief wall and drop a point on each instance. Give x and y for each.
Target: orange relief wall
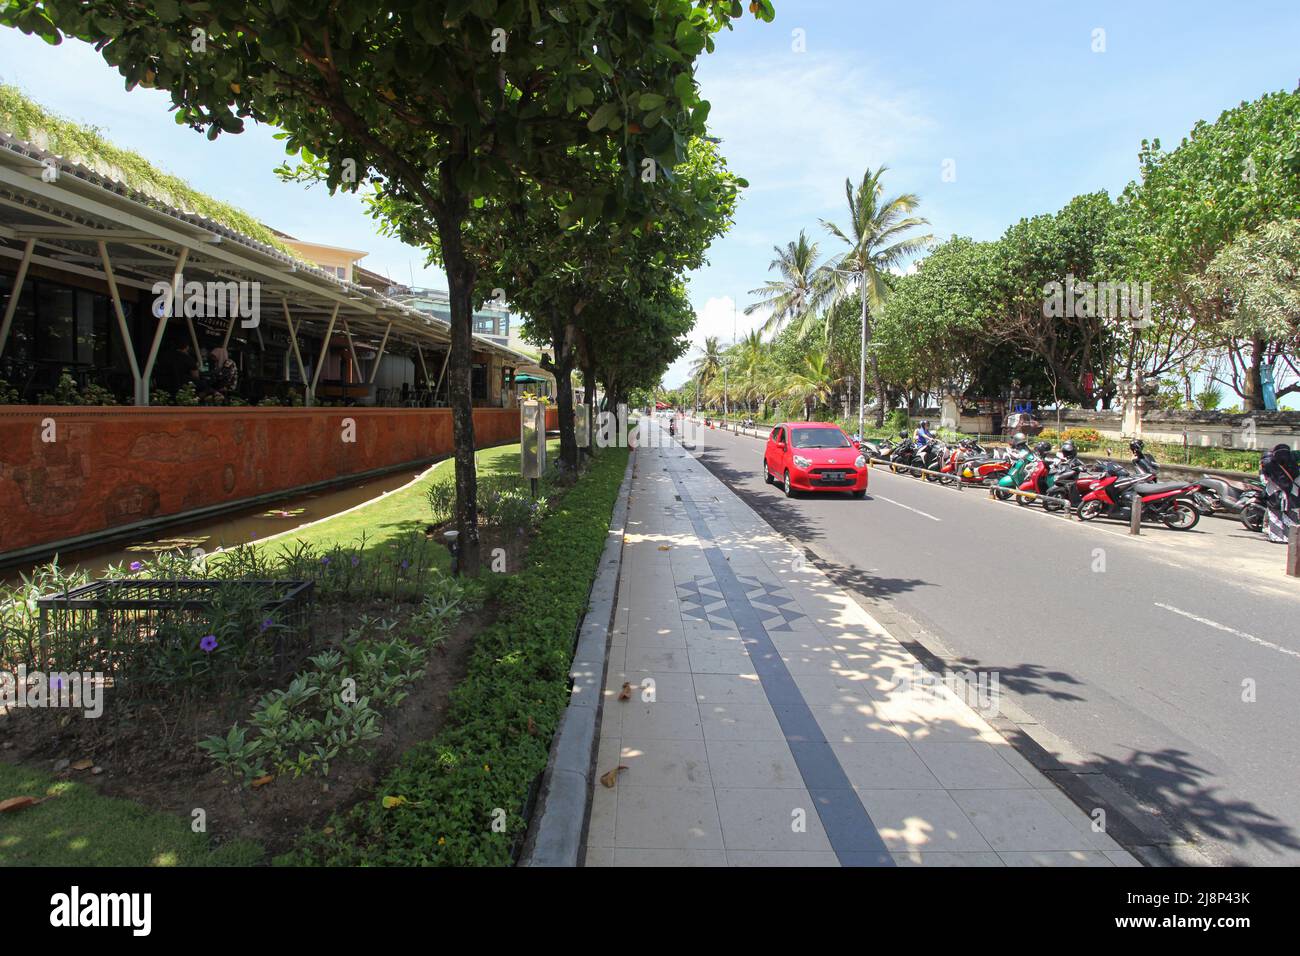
(70, 471)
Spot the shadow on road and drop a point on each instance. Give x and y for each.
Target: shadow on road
(1178, 787)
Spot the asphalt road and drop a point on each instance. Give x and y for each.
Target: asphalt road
(1140, 671)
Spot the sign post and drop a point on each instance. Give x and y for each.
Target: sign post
(532, 441)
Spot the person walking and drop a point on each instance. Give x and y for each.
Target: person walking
(1281, 477)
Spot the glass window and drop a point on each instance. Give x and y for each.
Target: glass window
(20, 344)
(818, 438)
(56, 331)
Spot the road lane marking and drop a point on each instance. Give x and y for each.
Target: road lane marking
(1231, 630)
(908, 507)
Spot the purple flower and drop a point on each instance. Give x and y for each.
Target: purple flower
(267, 624)
(405, 564)
(355, 560)
(136, 565)
(208, 644)
(325, 560)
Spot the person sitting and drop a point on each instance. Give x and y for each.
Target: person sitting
(177, 367)
(223, 375)
(923, 435)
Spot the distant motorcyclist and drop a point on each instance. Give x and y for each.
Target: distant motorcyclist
(1068, 452)
(923, 436)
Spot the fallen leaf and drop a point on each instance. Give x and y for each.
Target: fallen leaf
(97, 770)
(391, 802)
(84, 764)
(17, 803)
(327, 831)
(263, 781)
(610, 778)
(626, 692)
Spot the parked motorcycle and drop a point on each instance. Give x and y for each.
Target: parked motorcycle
(980, 467)
(902, 454)
(1112, 495)
(1012, 478)
(1040, 477)
(1243, 500)
(930, 458)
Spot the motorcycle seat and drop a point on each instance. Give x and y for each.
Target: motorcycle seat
(1158, 487)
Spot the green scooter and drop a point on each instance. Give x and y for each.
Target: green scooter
(1012, 479)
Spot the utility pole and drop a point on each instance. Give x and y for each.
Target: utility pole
(862, 360)
(726, 403)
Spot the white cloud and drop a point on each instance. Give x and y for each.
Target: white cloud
(803, 124)
(715, 318)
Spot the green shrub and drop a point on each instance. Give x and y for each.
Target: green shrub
(438, 805)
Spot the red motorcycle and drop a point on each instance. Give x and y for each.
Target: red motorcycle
(973, 465)
(1111, 496)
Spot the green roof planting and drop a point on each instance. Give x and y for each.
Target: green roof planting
(26, 120)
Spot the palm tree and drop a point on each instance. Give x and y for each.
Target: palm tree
(706, 368)
(751, 357)
(799, 292)
(876, 243)
(812, 382)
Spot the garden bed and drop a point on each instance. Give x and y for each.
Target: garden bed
(204, 731)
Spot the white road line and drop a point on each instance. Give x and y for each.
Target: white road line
(1231, 630)
(908, 507)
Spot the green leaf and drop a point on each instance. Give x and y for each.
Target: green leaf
(650, 101)
(602, 117)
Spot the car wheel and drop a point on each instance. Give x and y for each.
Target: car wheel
(767, 473)
(789, 489)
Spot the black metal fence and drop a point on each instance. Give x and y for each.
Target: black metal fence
(110, 625)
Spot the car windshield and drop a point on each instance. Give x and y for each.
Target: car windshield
(818, 438)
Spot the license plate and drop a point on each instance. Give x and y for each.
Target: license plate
(833, 475)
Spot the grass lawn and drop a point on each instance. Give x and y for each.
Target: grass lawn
(78, 827)
(401, 512)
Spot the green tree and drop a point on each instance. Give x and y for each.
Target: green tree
(877, 242)
(799, 293)
(440, 104)
(1227, 178)
(1257, 277)
(708, 366)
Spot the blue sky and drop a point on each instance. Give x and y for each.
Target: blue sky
(1011, 92)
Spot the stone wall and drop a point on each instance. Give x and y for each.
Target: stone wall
(1260, 430)
(70, 471)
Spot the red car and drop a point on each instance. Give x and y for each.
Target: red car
(813, 456)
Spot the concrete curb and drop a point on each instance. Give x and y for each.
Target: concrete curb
(560, 817)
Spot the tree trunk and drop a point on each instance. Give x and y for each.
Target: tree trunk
(460, 283)
(562, 335)
(1253, 393)
(589, 395)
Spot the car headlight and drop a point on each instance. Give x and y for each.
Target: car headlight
(861, 462)
(801, 462)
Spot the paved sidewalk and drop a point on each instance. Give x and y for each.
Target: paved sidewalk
(771, 721)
